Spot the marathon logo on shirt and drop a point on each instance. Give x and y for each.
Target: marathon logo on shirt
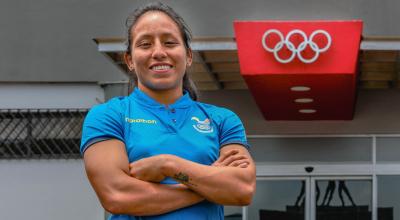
(140, 120)
(202, 126)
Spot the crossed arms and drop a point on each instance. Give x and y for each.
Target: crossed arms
(134, 189)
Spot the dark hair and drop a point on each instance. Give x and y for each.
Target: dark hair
(188, 84)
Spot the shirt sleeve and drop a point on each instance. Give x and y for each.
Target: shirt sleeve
(232, 131)
(103, 122)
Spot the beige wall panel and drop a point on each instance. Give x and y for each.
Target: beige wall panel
(378, 67)
(206, 85)
(235, 85)
(385, 56)
(221, 56)
(375, 84)
(378, 76)
(228, 77)
(225, 67)
(200, 76)
(197, 67)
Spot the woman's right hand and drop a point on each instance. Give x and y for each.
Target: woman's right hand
(149, 169)
(232, 158)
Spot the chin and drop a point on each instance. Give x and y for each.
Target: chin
(159, 86)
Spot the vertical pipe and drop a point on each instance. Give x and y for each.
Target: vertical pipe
(374, 182)
(245, 212)
(311, 210)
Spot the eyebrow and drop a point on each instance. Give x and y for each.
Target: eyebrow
(165, 34)
(149, 36)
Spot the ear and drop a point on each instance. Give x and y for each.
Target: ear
(128, 61)
(189, 58)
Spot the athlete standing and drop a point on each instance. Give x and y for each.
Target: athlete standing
(158, 153)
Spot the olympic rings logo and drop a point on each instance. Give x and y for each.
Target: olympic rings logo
(285, 41)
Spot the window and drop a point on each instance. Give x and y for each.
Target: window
(41, 133)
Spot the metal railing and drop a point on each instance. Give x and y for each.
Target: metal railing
(40, 133)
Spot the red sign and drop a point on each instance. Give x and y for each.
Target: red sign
(300, 70)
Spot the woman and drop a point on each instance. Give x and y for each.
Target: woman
(158, 153)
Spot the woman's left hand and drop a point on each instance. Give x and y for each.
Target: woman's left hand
(148, 169)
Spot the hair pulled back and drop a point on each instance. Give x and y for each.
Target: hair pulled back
(132, 19)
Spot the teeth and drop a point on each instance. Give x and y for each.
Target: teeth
(161, 67)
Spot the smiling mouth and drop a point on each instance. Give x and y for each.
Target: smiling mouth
(161, 67)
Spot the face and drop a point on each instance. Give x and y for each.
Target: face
(158, 54)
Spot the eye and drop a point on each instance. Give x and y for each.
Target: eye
(144, 44)
(170, 43)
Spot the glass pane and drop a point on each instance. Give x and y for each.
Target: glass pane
(337, 149)
(278, 200)
(388, 197)
(233, 212)
(343, 199)
(387, 149)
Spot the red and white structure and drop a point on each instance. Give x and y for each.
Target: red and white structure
(300, 70)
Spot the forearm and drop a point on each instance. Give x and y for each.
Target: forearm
(107, 168)
(222, 185)
(135, 197)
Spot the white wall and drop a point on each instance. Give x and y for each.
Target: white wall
(46, 190)
(43, 95)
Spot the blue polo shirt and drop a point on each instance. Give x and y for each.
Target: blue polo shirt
(188, 129)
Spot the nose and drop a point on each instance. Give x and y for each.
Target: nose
(159, 51)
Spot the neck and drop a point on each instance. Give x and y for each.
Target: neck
(165, 97)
